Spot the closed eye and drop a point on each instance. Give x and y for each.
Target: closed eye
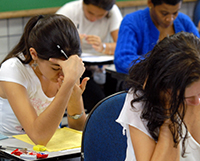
(56, 69)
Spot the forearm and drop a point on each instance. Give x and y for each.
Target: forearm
(165, 149)
(109, 49)
(74, 108)
(45, 125)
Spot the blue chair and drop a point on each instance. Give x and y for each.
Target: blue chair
(102, 138)
(196, 13)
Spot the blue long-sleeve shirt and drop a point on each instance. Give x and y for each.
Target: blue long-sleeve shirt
(138, 35)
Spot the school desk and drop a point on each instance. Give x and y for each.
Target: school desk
(97, 58)
(65, 154)
(13, 142)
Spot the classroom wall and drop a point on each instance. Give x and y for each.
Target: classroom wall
(11, 29)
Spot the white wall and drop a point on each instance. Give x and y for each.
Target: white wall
(12, 29)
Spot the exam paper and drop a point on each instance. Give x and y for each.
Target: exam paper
(96, 57)
(63, 139)
(3, 137)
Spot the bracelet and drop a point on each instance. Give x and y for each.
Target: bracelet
(75, 116)
(104, 48)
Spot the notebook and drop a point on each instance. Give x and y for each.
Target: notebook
(63, 139)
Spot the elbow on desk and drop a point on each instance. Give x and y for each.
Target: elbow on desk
(39, 139)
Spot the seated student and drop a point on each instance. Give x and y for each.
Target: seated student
(95, 20)
(141, 30)
(162, 108)
(39, 80)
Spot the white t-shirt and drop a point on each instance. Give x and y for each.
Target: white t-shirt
(13, 70)
(101, 28)
(130, 116)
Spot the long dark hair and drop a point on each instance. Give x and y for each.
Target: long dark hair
(172, 66)
(44, 33)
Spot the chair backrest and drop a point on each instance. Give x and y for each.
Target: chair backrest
(102, 138)
(196, 13)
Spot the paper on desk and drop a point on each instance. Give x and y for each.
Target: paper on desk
(3, 137)
(96, 57)
(63, 139)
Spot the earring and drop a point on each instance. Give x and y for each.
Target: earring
(34, 65)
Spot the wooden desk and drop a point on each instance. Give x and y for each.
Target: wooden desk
(66, 154)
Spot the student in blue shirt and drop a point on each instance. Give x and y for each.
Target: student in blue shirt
(141, 30)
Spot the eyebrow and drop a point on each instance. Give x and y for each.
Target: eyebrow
(57, 65)
(93, 13)
(169, 12)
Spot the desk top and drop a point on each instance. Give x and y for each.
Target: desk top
(97, 58)
(52, 155)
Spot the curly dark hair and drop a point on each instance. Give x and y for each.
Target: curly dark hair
(173, 65)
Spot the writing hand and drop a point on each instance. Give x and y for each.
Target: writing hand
(95, 41)
(82, 36)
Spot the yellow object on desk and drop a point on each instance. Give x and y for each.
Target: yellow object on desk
(63, 139)
(39, 148)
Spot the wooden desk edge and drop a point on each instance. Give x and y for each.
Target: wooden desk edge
(33, 12)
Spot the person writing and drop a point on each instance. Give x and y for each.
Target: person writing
(141, 30)
(95, 20)
(39, 80)
(162, 107)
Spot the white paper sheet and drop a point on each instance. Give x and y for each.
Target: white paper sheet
(96, 57)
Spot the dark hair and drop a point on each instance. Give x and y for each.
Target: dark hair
(44, 33)
(104, 4)
(170, 2)
(173, 64)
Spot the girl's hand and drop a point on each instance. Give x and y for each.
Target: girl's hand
(82, 36)
(95, 41)
(73, 67)
(77, 92)
(83, 84)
